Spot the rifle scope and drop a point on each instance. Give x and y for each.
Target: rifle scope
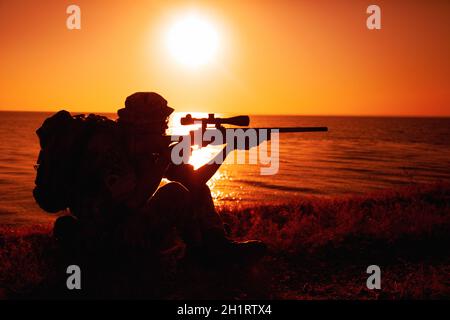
(241, 121)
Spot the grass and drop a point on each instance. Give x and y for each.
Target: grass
(318, 249)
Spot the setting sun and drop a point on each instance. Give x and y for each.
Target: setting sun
(192, 41)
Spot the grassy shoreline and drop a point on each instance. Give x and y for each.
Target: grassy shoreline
(318, 249)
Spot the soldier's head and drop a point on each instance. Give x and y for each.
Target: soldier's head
(146, 110)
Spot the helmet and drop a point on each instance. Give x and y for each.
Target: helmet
(143, 108)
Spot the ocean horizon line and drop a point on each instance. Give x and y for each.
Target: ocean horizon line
(418, 116)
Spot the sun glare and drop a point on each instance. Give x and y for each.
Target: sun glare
(199, 156)
(193, 41)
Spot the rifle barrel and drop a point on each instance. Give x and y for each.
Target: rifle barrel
(280, 130)
(295, 129)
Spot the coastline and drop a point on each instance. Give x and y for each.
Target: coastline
(318, 249)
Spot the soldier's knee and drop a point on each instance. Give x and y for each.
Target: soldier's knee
(204, 189)
(174, 191)
(203, 193)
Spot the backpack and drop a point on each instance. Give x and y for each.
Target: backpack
(63, 139)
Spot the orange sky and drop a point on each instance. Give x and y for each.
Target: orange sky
(276, 57)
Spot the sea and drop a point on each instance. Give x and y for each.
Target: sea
(357, 155)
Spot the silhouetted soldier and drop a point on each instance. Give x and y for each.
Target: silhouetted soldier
(120, 202)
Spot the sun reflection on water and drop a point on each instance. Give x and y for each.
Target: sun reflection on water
(219, 195)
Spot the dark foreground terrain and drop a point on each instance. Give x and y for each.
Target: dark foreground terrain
(318, 249)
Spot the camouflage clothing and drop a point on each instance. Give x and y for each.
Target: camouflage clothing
(110, 213)
(112, 185)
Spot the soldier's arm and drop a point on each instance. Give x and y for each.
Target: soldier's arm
(186, 175)
(207, 171)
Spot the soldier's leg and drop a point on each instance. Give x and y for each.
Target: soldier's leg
(191, 212)
(203, 207)
(215, 246)
(171, 207)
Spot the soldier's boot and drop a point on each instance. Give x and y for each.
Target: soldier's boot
(249, 250)
(218, 250)
(211, 242)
